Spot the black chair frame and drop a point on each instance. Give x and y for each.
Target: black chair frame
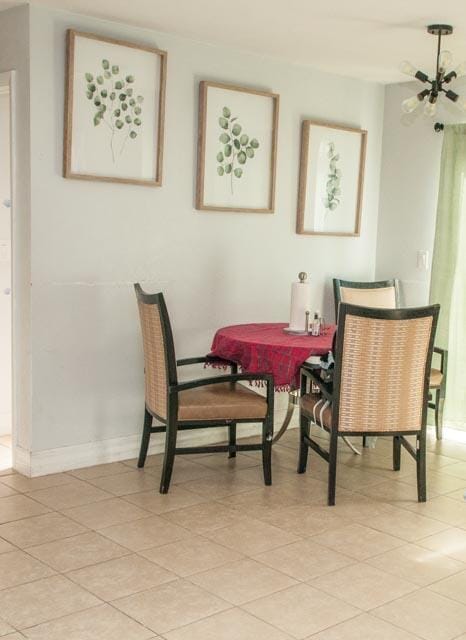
(171, 425)
(331, 392)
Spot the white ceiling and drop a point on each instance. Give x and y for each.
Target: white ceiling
(363, 38)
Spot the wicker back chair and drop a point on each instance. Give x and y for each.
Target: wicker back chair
(159, 352)
(380, 385)
(206, 402)
(385, 294)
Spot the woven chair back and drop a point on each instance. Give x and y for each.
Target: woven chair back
(381, 298)
(159, 353)
(384, 365)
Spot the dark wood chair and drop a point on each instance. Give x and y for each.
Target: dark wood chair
(205, 402)
(386, 294)
(383, 294)
(380, 385)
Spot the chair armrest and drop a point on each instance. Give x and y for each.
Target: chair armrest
(209, 359)
(325, 387)
(234, 377)
(194, 360)
(440, 350)
(443, 358)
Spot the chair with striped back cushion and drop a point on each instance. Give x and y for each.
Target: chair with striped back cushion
(200, 403)
(380, 385)
(385, 294)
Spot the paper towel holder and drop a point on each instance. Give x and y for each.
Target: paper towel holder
(302, 277)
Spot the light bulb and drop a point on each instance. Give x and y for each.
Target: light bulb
(460, 70)
(445, 59)
(408, 68)
(430, 109)
(410, 104)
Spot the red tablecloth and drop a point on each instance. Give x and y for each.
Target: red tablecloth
(265, 348)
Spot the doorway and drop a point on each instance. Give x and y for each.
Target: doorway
(6, 396)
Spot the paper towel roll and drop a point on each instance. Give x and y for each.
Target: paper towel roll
(300, 303)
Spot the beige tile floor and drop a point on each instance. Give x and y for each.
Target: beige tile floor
(99, 553)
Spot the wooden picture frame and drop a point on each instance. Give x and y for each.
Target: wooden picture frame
(322, 188)
(85, 150)
(255, 112)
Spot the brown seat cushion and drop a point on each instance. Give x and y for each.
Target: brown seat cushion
(436, 378)
(307, 406)
(222, 401)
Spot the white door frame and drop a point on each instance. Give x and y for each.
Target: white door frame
(7, 79)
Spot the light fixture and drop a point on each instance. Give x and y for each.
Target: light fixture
(429, 96)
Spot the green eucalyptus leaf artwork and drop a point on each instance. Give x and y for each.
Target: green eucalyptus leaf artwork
(331, 199)
(114, 110)
(331, 179)
(237, 148)
(115, 105)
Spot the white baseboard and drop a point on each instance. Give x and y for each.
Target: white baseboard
(22, 461)
(41, 463)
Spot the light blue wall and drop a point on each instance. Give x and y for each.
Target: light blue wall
(92, 240)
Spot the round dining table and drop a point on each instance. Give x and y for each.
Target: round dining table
(267, 348)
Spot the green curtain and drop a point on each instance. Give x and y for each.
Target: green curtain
(449, 269)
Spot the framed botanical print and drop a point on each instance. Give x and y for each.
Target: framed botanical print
(237, 148)
(114, 110)
(331, 179)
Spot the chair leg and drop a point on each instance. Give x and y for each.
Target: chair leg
(232, 440)
(364, 442)
(439, 404)
(169, 457)
(304, 430)
(396, 453)
(267, 436)
(145, 438)
(332, 468)
(421, 467)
